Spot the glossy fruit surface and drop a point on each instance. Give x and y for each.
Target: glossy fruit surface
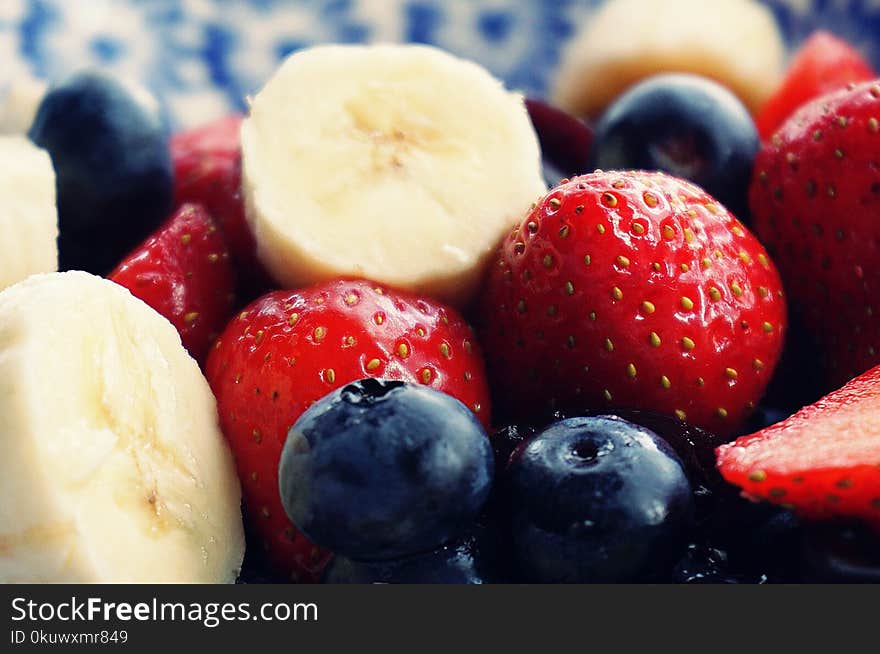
(685, 125)
(379, 470)
(822, 462)
(631, 290)
(823, 63)
(467, 561)
(110, 152)
(815, 200)
(207, 170)
(183, 271)
(288, 349)
(597, 500)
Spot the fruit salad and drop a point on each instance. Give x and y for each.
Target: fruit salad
(400, 324)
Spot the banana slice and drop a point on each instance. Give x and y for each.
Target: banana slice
(735, 42)
(399, 163)
(28, 217)
(113, 468)
(19, 105)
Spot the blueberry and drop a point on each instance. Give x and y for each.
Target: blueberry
(798, 379)
(112, 164)
(380, 470)
(703, 564)
(467, 561)
(505, 440)
(841, 553)
(597, 499)
(765, 416)
(696, 449)
(694, 446)
(687, 126)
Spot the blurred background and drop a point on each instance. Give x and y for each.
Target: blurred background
(202, 57)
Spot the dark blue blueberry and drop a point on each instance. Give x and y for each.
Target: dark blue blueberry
(380, 470)
(765, 416)
(597, 500)
(798, 379)
(836, 553)
(703, 564)
(505, 440)
(112, 164)
(686, 125)
(761, 542)
(467, 561)
(694, 446)
(696, 449)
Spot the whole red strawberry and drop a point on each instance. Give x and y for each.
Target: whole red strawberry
(183, 272)
(207, 170)
(633, 290)
(824, 461)
(815, 198)
(824, 63)
(290, 348)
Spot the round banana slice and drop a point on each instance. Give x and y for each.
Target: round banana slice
(28, 216)
(113, 468)
(735, 42)
(19, 105)
(399, 163)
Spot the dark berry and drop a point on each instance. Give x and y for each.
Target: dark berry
(685, 125)
(694, 446)
(841, 554)
(565, 141)
(703, 564)
(597, 499)
(380, 470)
(765, 416)
(505, 440)
(467, 561)
(112, 164)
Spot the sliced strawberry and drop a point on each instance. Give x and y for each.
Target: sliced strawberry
(288, 349)
(824, 461)
(633, 290)
(183, 272)
(207, 170)
(824, 63)
(815, 200)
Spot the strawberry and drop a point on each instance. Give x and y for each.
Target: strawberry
(290, 348)
(207, 170)
(633, 290)
(824, 63)
(824, 461)
(815, 199)
(183, 272)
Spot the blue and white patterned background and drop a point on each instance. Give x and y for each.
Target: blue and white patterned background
(202, 57)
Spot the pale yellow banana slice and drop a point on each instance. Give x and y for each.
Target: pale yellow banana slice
(399, 163)
(19, 105)
(112, 466)
(28, 217)
(735, 42)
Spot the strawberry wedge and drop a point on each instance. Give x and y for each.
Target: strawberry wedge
(823, 462)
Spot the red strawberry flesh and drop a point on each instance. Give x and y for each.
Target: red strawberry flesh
(824, 63)
(815, 200)
(183, 272)
(824, 461)
(290, 348)
(633, 290)
(207, 170)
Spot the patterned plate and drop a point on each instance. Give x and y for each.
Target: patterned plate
(202, 57)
